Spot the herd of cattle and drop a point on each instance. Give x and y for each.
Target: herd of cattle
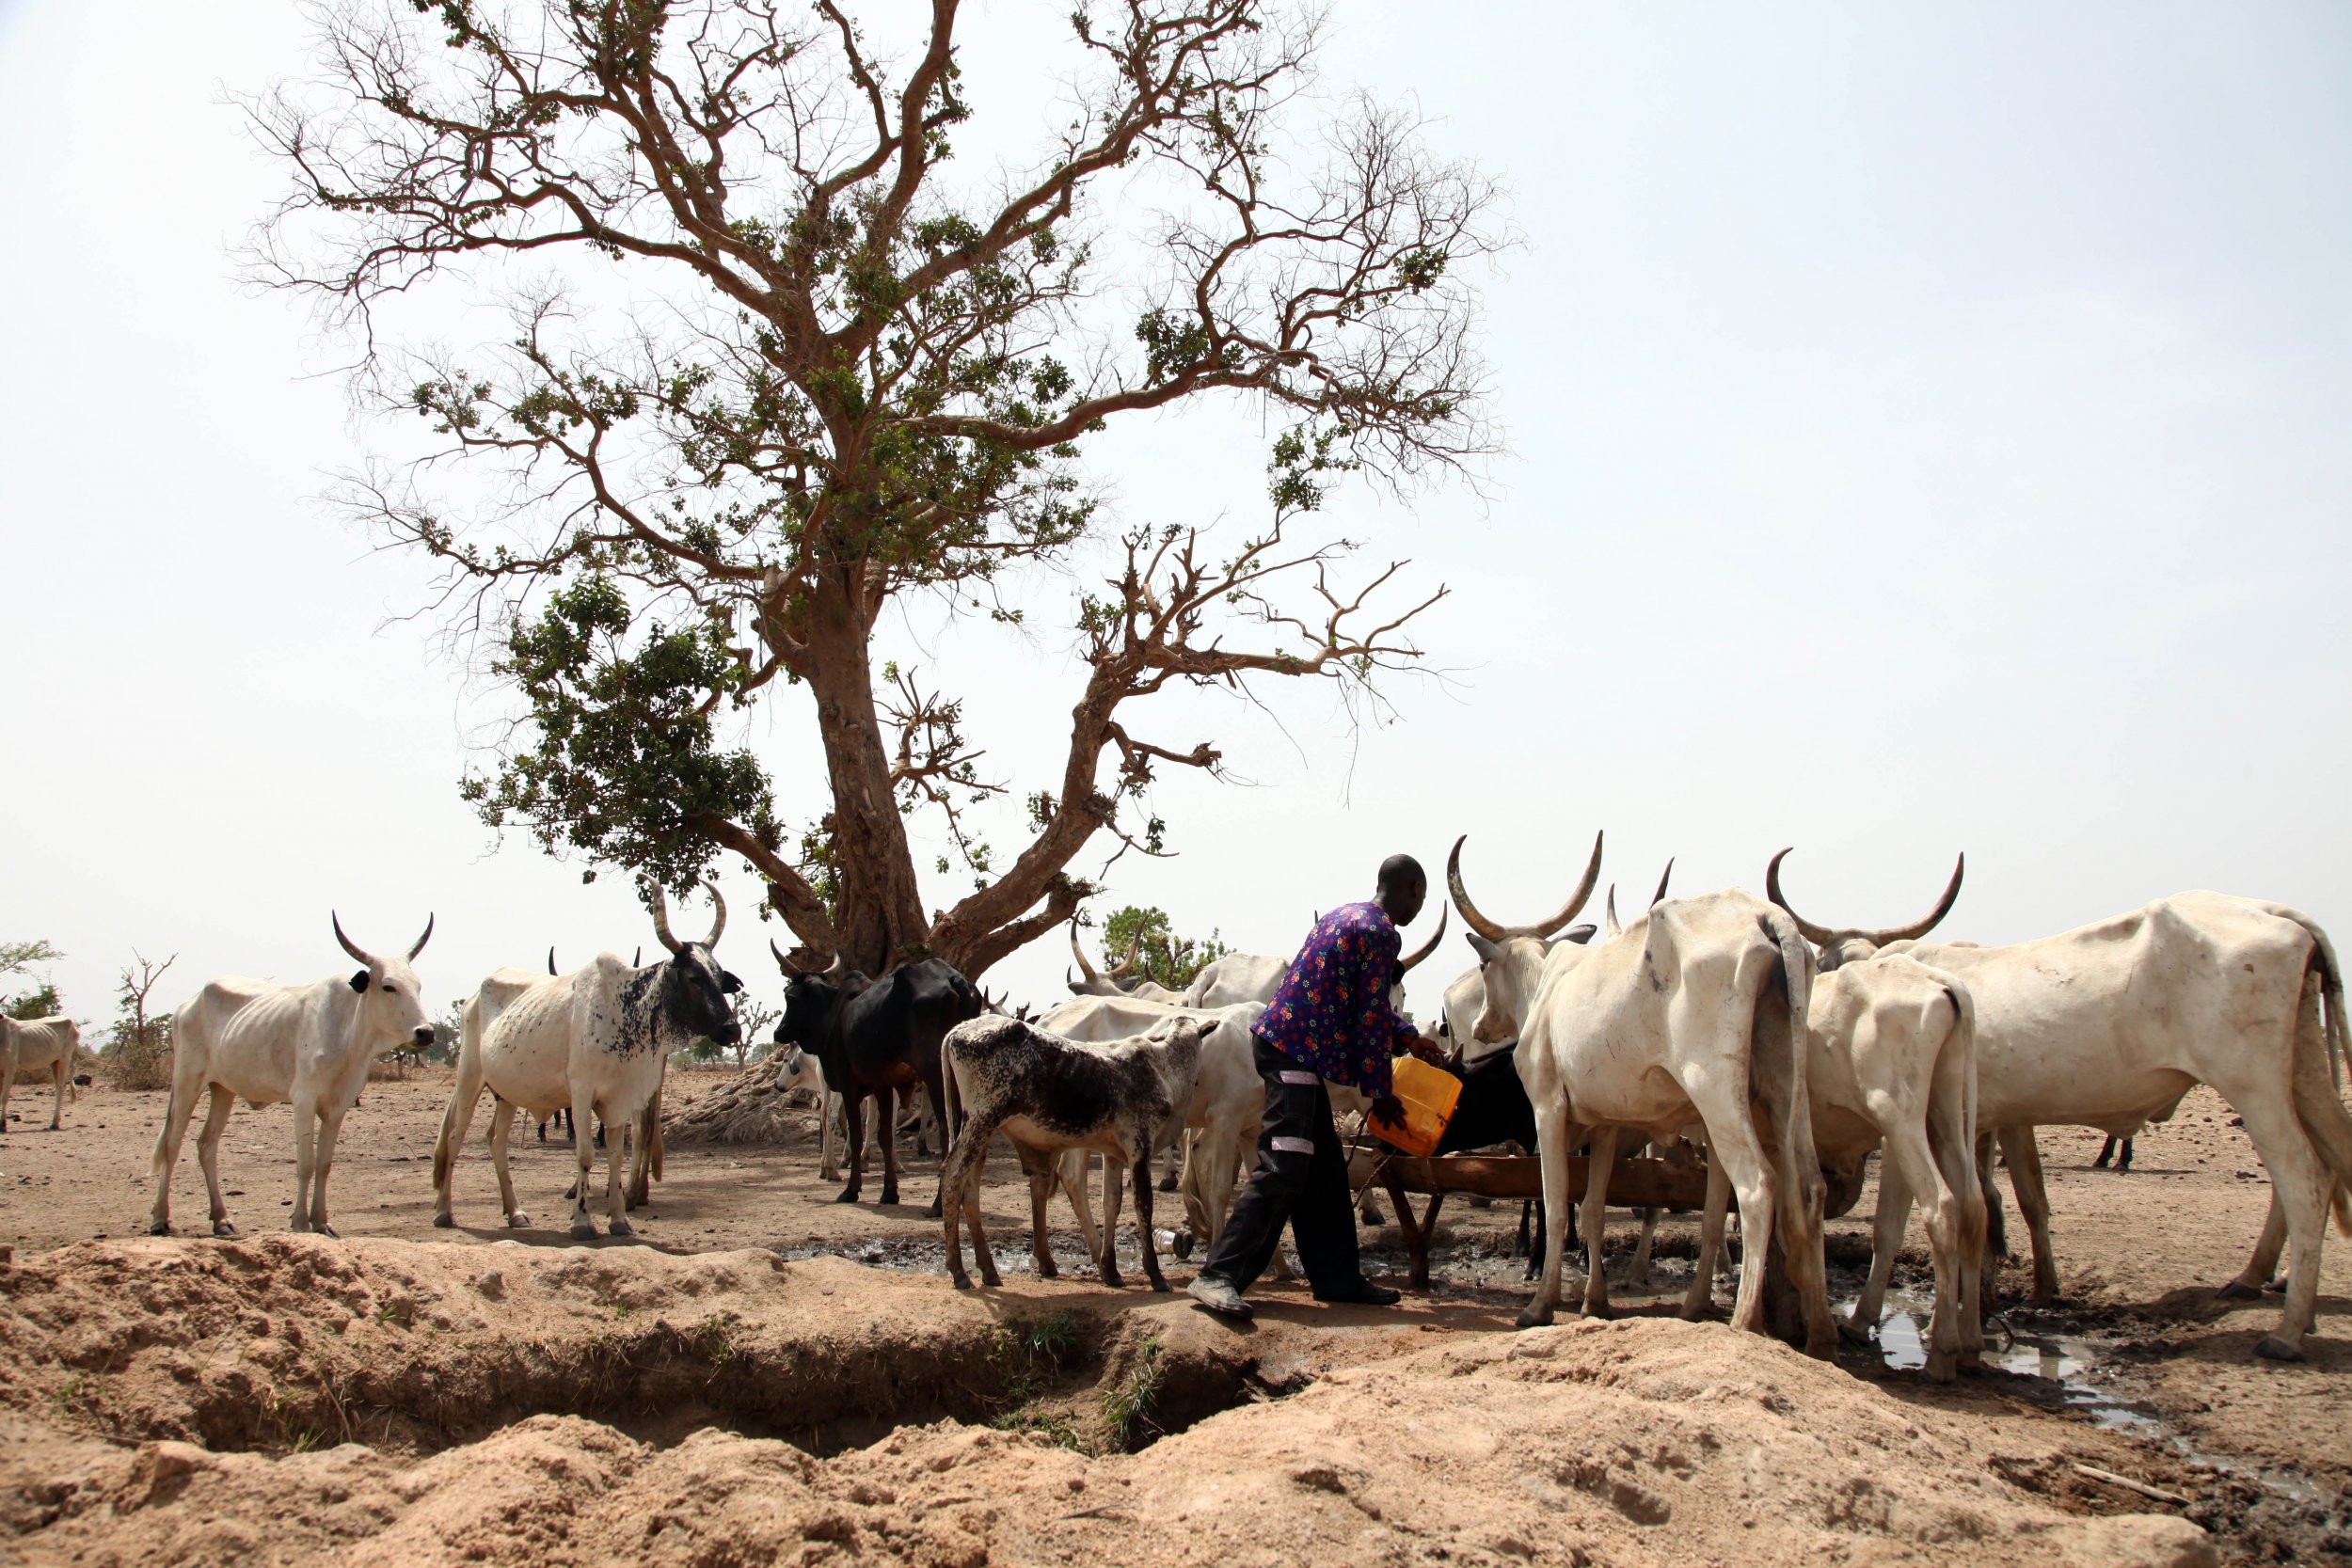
(1786, 1050)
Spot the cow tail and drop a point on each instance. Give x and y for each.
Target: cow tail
(649, 1133)
(950, 1114)
(468, 1053)
(2322, 1109)
(1795, 1132)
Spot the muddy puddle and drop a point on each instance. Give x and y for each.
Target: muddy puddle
(2094, 1378)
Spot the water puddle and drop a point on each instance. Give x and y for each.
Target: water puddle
(2069, 1364)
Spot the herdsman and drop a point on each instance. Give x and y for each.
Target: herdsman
(1330, 1019)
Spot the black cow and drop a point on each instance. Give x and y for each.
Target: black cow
(878, 1038)
(1494, 1109)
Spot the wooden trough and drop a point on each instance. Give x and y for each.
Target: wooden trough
(1633, 1183)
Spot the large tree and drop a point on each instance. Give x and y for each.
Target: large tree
(800, 365)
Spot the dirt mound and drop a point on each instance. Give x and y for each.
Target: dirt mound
(591, 1406)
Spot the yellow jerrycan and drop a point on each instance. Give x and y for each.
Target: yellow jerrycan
(1428, 1094)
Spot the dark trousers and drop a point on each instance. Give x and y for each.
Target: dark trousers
(1301, 1177)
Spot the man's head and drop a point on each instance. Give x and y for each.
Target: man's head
(1404, 888)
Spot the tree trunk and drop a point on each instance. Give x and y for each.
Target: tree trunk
(879, 920)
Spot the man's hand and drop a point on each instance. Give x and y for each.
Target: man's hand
(1389, 1109)
(1428, 1051)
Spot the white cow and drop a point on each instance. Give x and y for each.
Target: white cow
(27, 1045)
(1687, 1016)
(1891, 1064)
(2109, 1026)
(595, 1040)
(263, 1043)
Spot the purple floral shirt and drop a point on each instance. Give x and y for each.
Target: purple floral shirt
(1331, 1011)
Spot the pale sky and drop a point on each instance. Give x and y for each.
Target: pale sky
(1926, 431)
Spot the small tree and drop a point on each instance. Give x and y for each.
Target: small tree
(1161, 955)
(139, 1054)
(756, 1020)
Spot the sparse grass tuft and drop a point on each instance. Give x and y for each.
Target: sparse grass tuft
(715, 1340)
(1057, 1426)
(1127, 1405)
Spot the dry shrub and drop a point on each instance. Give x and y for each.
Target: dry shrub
(139, 1058)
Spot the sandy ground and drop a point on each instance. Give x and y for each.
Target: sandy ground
(167, 1390)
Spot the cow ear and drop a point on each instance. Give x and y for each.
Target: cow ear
(359, 980)
(729, 983)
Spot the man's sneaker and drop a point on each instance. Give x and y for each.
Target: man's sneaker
(1363, 1293)
(1211, 1294)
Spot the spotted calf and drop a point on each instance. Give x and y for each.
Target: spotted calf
(1050, 1096)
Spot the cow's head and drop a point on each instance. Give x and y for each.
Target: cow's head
(1511, 958)
(1089, 981)
(391, 998)
(797, 1068)
(695, 989)
(1852, 945)
(812, 998)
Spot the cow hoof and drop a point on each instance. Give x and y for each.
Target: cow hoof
(159, 1227)
(444, 1222)
(583, 1229)
(1112, 1281)
(2271, 1348)
(890, 1198)
(2276, 1287)
(518, 1221)
(330, 1232)
(1183, 1243)
(1167, 1184)
(934, 1212)
(1045, 1269)
(221, 1228)
(622, 1227)
(1532, 1318)
(991, 1278)
(1853, 1332)
(848, 1196)
(961, 1283)
(2237, 1289)
(1160, 1285)
(1941, 1369)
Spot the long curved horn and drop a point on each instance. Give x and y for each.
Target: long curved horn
(661, 908)
(719, 917)
(1609, 906)
(837, 968)
(1820, 936)
(1494, 932)
(349, 946)
(782, 962)
(1664, 877)
(551, 958)
(1426, 948)
(1084, 967)
(1127, 964)
(637, 958)
(422, 940)
(1934, 917)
